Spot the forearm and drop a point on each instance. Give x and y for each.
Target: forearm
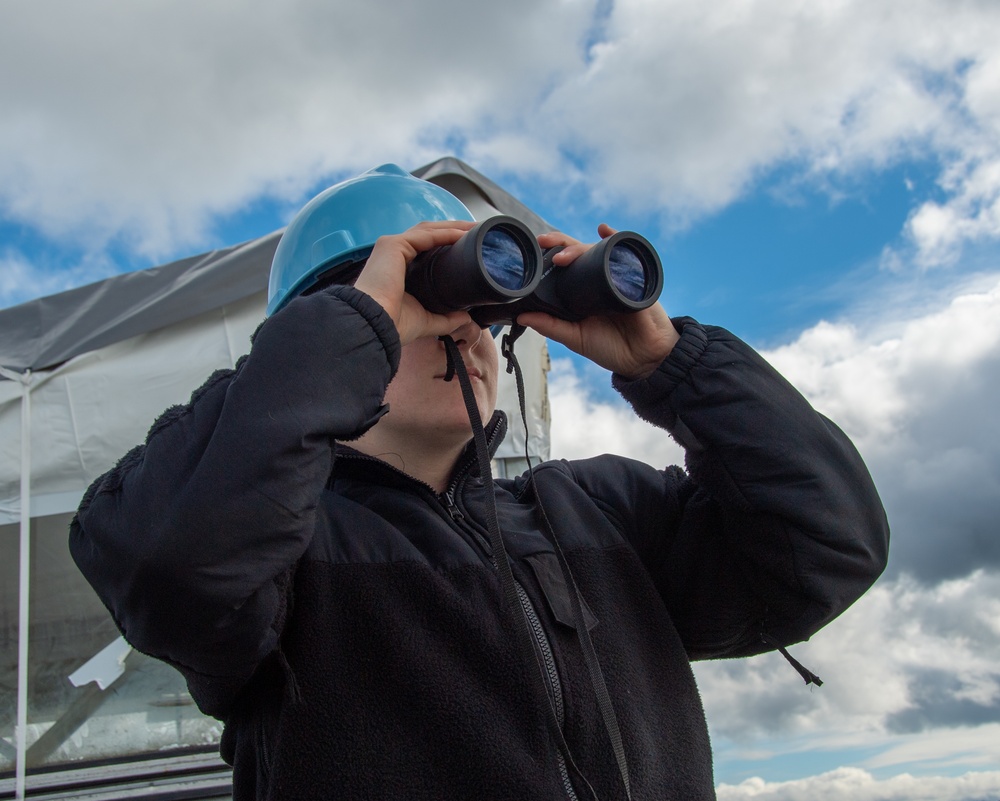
(781, 501)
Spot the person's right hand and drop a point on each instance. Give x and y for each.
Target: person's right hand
(384, 278)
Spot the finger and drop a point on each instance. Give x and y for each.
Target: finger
(571, 253)
(428, 235)
(556, 239)
(575, 249)
(552, 327)
(571, 248)
(440, 324)
(416, 322)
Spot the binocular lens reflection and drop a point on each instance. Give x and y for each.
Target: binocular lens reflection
(503, 258)
(628, 273)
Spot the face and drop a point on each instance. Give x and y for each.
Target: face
(422, 403)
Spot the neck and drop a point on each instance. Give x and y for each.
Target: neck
(428, 462)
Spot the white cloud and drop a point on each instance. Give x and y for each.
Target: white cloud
(943, 749)
(142, 122)
(853, 784)
(22, 280)
(584, 426)
(684, 105)
(867, 382)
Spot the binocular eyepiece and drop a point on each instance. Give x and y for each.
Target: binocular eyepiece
(497, 271)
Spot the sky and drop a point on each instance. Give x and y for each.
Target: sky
(822, 177)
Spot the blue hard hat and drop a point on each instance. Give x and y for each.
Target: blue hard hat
(341, 224)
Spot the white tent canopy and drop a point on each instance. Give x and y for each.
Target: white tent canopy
(91, 368)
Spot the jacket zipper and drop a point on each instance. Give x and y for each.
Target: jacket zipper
(554, 683)
(264, 745)
(545, 648)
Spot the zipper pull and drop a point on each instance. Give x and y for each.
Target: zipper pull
(449, 504)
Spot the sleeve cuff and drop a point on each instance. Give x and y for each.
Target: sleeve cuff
(376, 317)
(647, 394)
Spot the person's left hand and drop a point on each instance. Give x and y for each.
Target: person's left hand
(631, 344)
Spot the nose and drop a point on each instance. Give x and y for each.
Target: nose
(467, 335)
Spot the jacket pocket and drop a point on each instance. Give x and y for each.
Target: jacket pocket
(548, 572)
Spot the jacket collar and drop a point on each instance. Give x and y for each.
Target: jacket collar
(355, 464)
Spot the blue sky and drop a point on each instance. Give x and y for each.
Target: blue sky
(822, 178)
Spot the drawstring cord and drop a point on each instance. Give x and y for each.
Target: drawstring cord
(807, 675)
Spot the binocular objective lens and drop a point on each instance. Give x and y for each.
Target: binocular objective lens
(628, 272)
(503, 258)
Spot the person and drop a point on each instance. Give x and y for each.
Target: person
(312, 540)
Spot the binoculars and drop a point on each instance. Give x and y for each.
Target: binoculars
(497, 271)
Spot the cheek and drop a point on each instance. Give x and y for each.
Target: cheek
(417, 362)
(490, 364)
(404, 389)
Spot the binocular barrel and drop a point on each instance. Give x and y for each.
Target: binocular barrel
(496, 271)
(496, 262)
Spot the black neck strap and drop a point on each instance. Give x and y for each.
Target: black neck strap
(526, 639)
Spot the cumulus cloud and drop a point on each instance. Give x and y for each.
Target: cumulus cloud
(971, 180)
(585, 424)
(853, 784)
(144, 123)
(904, 660)
(685, 106)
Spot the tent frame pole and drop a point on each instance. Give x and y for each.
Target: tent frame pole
(24, 576)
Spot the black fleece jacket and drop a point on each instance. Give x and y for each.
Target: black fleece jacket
(346, 622)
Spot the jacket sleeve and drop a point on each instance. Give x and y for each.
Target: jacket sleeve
(188, 538)
(775, 529)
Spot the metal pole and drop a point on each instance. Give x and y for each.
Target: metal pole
(21, 728)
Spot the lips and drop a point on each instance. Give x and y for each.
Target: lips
(472, 371)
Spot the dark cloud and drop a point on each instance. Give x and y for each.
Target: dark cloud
(942, 487)
(917, 391)
(941, 699)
